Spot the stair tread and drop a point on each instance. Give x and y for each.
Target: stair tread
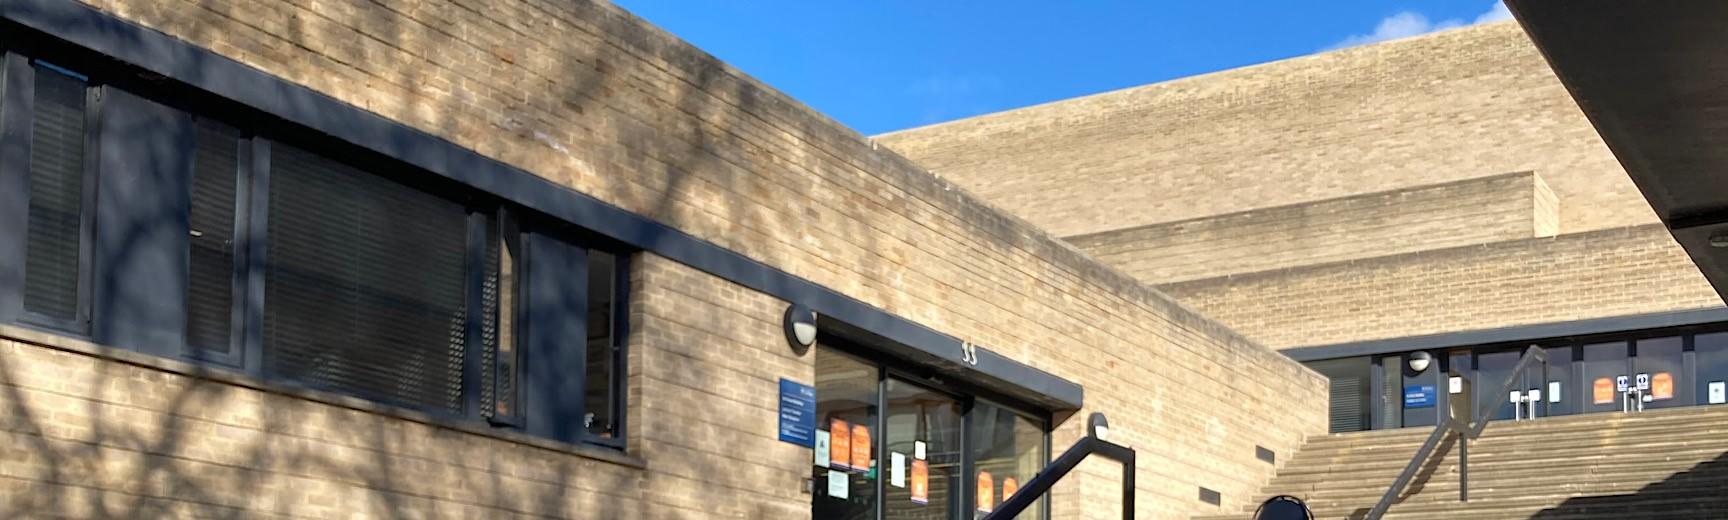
(1657, 464)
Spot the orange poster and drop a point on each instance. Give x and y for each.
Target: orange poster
(986, 492)
(861, 448)
(1602, 391)
(839, 443)
(1009, 486)
(1662, 386)
(920, 482)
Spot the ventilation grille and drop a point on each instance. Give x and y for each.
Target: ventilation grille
(364, 284)
(1347, 406)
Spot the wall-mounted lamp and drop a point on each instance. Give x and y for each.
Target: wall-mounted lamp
(1098, 427)
(1420, 361)
(1719, 239)
(800, 325)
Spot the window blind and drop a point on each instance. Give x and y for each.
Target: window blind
(51, 286)
(364, 284)
(215, 170)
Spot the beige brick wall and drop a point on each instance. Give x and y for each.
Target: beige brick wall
(595, 99)
(1474, 211)
(1446, 106)
(1603, 273)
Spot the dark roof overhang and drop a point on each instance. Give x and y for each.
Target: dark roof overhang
(1652, 76)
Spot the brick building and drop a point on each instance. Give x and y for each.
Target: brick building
(1441, 195)
(428, 259)
(299, 258)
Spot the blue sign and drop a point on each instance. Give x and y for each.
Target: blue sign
(1419, 396)
(797, 413)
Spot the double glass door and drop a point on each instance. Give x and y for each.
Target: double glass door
(1631, 375)
(890, 448)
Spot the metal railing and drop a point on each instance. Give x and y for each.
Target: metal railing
(1467, 432)
(1092, 443)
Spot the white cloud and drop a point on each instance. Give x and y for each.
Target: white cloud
(1410, 23)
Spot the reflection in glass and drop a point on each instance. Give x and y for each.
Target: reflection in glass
(845, 404)
(932, 484)
(1009, 448)
(1660, 359)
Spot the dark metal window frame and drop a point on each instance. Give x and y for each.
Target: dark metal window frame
(251, 222)
(79, 325)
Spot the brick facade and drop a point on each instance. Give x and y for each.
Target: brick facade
(1447, 106)
(1611, 272)
(595, 99)
(1489, 209)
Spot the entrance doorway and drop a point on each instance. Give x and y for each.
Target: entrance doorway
(893, 445)
(1632, 375)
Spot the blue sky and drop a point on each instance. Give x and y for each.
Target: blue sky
(884, 65)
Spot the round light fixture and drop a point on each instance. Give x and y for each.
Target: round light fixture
(1719, 239)
(1419, 361)
(800, 325)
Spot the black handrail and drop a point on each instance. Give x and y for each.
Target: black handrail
(1466, 432)
(1047, 477)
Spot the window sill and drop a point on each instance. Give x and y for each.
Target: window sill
(38, 337)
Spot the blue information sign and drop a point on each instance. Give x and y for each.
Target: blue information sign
(1418, 396)
(797, 413)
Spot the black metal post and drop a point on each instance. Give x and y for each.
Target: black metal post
(1463, 466)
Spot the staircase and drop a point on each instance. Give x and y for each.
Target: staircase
(1656, 464)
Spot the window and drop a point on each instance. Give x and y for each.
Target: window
(211, 238)
(54, 291)
(365, 284)
(1009, 450)
(309, 263)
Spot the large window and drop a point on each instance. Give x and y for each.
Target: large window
(262, 249)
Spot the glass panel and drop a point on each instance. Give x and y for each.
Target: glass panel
(215, 171)
(922, 422)
(1391, 392)
(1560, 383)
(1660, 359)
(1601, 364)
(498, 385)
(1009, 450)
(1712, 385)
(365, 284)
(602, 278)
(1492, 369)
(57, 141)
(846, 400)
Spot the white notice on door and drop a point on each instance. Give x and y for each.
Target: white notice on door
(897, 469)
(1553, 391)
(1455, 385)
(821, 450)
(1718, 392)
(837, 486)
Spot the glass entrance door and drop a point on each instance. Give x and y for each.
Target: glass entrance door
(1650, 370)
(923, 450)
(891, 446)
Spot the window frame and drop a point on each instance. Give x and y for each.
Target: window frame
(80, 324)
(256, 135)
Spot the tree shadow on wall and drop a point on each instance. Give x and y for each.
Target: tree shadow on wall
(171, 451)
(1697, 492)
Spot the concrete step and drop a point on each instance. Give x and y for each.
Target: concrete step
(1657, 464)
